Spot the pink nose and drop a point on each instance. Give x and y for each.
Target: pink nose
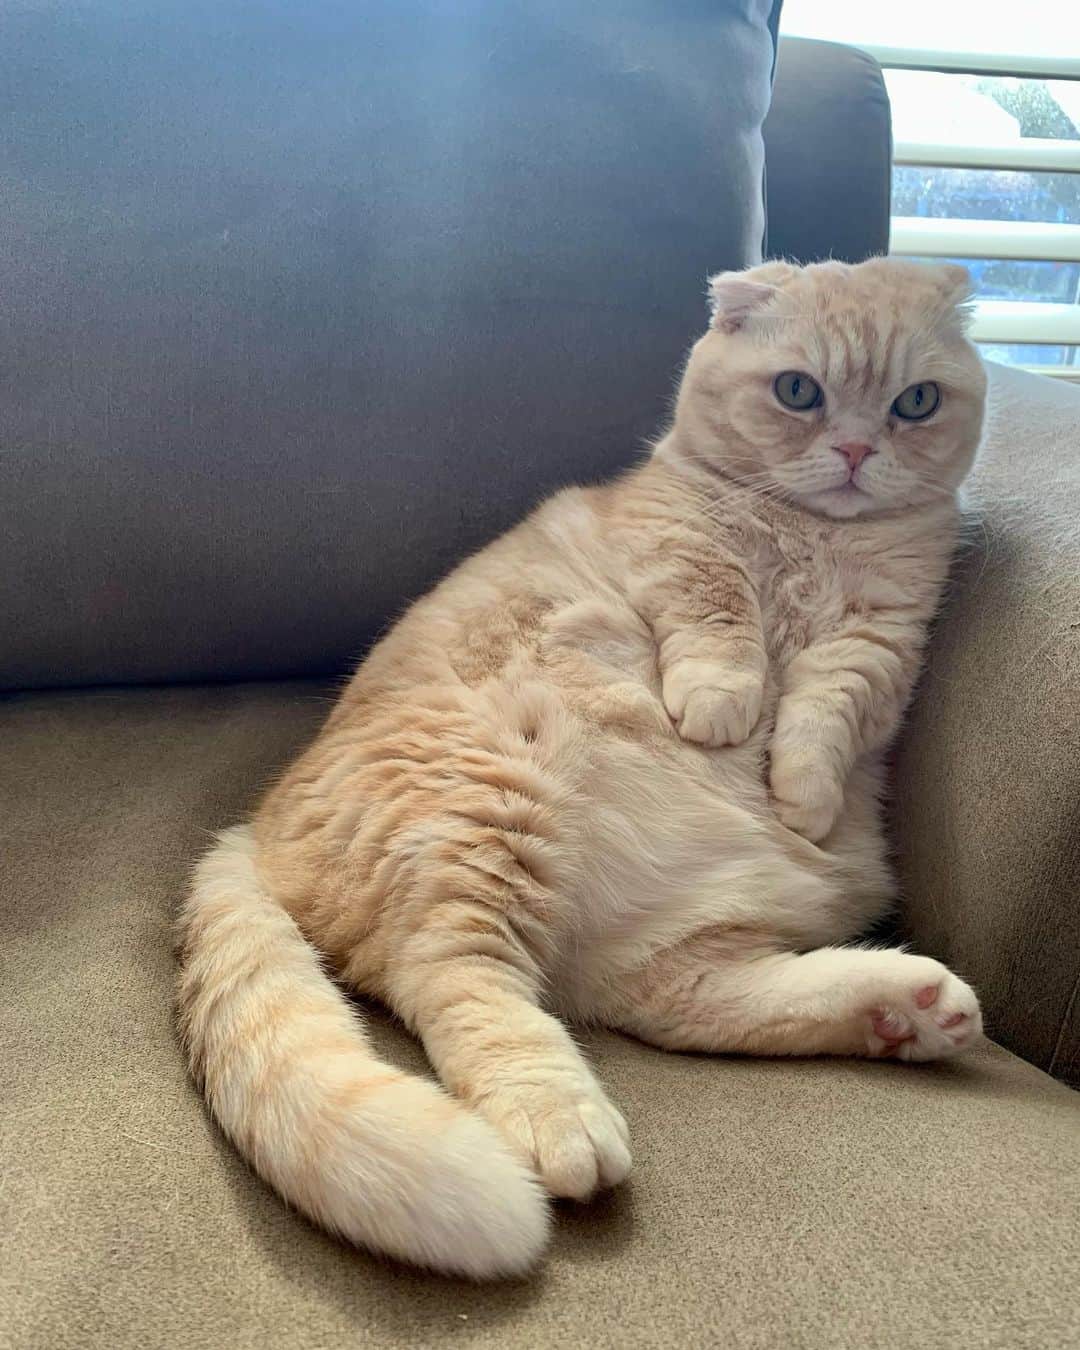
(854, 452)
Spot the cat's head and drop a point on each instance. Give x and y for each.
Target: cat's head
(849, 389)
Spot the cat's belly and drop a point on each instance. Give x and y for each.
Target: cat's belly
(645, 838)
(670, 837)
(675, 839)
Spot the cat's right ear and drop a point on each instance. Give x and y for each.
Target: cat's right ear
(733, 298)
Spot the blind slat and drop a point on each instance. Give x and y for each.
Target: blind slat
(923, 236)
(1026, 321)
(1048, 67)
(1030, 155)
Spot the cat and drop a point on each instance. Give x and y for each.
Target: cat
(622, 767)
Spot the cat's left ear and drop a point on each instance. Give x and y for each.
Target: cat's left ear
(957, 290)
(957, 282)
(734, 297)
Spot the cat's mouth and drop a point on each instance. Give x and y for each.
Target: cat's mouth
(844, 500)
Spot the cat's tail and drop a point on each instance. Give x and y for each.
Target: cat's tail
(388, 1160)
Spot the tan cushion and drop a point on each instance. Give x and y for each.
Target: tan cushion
(989, 774)
(804, 1204)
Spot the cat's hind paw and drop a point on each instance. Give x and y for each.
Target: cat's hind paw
(570, 1134)
(933, 1020)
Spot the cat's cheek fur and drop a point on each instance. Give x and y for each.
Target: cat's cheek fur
(864, 334)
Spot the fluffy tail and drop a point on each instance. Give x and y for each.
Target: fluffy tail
(387, 1160)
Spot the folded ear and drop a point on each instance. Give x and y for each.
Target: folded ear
(734, 297)
(956, 281)
(957, 291)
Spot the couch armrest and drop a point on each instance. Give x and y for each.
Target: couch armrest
(828, 154)
(988, 790)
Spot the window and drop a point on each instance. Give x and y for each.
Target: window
(986, 125)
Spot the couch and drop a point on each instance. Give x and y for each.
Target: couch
(297, 309)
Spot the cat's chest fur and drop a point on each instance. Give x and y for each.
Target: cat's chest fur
(814, 582)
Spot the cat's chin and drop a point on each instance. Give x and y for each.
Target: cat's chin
(844, 503)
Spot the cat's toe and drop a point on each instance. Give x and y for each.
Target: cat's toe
(806, 802)
(717, 717)
(582, 1150)
(577, 1142)
(932, 1020)
(712, 706)
(812, 821)
(806, 793)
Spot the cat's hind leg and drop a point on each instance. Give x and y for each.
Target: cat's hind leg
(467, 985)
(735, 991)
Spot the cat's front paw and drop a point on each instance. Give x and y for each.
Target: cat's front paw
(808, 798)
(567, 1131)
(710, 704)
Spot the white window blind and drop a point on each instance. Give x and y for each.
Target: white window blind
(986, 122)
(996, 321)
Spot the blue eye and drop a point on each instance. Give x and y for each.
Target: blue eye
(918, 401)
(798, 391)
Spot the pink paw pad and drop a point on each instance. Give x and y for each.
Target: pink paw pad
(890, 1028)
(953, 1020)
(926, 996)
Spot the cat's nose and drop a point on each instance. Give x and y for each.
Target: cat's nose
(854, 452)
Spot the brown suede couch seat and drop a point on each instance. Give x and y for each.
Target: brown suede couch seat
(239, 429)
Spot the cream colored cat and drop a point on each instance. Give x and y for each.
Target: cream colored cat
(621, 767)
